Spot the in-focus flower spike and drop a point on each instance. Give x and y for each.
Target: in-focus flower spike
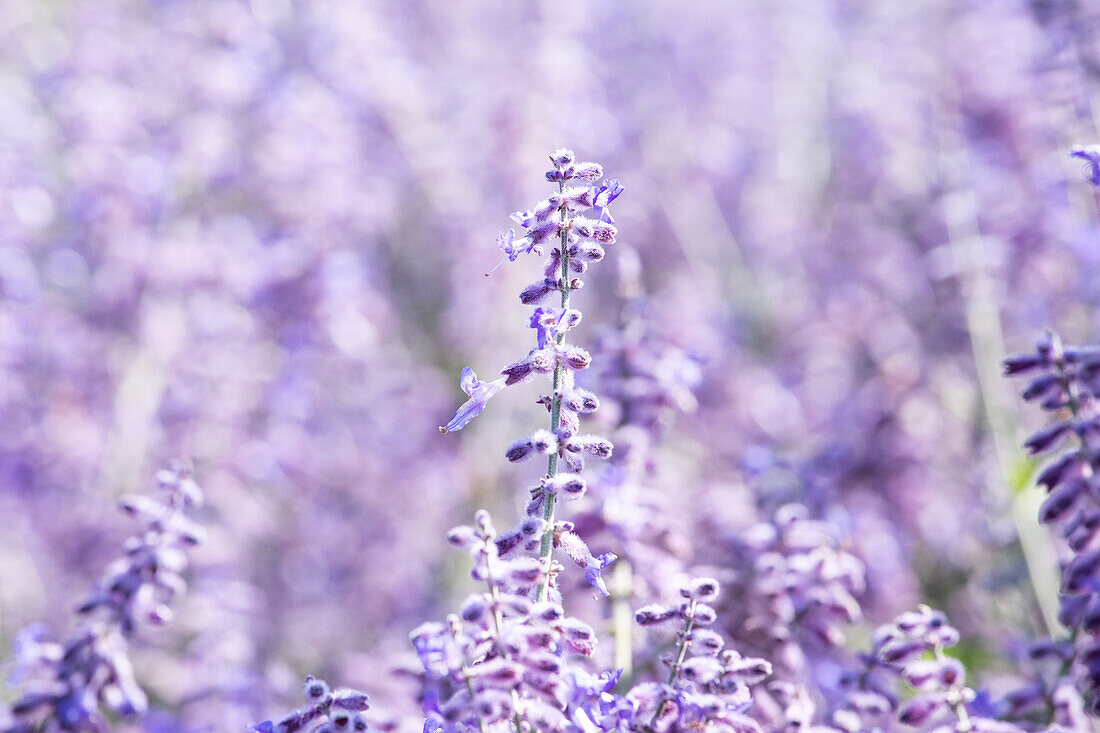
(480, 393)
(1091, 155)
(504, 659)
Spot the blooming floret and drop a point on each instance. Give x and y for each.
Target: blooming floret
(480, 393)
(1091, 155)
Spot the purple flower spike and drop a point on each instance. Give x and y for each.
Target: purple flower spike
(480, 393)
(603, 195)
(1091, 155)
(594, 566)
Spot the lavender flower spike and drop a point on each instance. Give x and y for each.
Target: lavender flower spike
(480, 393)
(1091, 155)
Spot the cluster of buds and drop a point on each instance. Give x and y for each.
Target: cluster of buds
(707, 684)
(799, 586)
(326, 711)
(502, 658)
(912, 648)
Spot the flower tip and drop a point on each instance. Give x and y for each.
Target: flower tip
(443, 430)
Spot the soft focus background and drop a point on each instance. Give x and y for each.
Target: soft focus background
(254, 233)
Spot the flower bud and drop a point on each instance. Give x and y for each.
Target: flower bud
(590, 252)
(592, 445)
(569, 484)
(706, 642)
(578, 636)
(475, 610)
(574, 357)
(588, 172)
(701, 670)
(581, 400)
(650, 615)
(579, 196)
(546, 208)
(314, 689)
(524, 572)
(703, 614)
(536, 292)
(562, 157)
(916, 712)
(517, 372)
(1045, 438)
(701, 589)
(541, 441)
(605, 234)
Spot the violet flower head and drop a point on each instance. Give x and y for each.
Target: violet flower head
(1091, 155)
(480, 393)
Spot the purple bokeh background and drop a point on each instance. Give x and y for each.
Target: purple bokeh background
(254, 233)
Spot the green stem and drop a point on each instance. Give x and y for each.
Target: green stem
(547, 547)
(674, 673)
(955, 699)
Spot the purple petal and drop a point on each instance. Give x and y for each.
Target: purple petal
(595, 566)
(1091, 155)
(480, 393)
(468, 381)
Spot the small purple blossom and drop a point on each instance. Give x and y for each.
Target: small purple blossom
(1091, 155)
(594, 566)
(550, 323)
(480, 394)
(512, 248)
(602, 196)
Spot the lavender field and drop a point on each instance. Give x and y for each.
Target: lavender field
(552, 367)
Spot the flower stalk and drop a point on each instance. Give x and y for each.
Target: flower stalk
(546, 548)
